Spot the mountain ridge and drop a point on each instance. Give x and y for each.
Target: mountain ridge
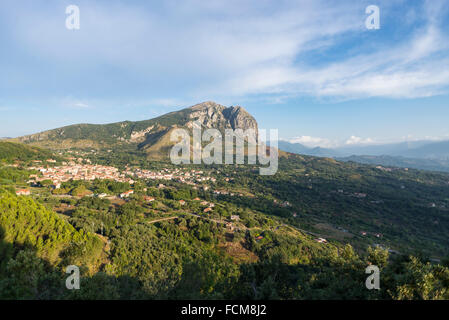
(424, 155)
(150, 136)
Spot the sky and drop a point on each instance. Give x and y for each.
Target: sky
(311, 69)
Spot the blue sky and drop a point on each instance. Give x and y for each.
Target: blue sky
(309, 68)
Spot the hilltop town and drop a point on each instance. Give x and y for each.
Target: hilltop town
(79, 171)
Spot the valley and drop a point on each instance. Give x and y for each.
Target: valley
(141, 227)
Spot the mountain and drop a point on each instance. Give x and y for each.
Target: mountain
(432, 150)
(425, 155)
(402, 162)
(392, 149)
(423, 149)
(302, 149)
(150, 136)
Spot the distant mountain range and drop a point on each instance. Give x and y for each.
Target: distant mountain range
(426, 155)
(302, 149)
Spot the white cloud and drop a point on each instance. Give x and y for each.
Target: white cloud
(417, 66)
(71, 103)
(238, 48)
(80, 105)
(353, 140)
(312, 142)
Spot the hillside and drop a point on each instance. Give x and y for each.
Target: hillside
(10, 152)
(35, 247)
(150, 136)
(168, 249)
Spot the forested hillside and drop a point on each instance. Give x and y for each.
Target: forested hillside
(168, 249)
(35, 243)
(10, 152)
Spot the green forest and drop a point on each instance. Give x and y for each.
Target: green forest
(258, 240)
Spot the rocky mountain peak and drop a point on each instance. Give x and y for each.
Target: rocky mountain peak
(214, 115)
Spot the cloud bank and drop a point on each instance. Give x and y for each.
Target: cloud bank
(241, 48)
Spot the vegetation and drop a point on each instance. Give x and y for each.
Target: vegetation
(237, 235)
(10, 152)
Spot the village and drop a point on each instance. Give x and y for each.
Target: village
(84, 170)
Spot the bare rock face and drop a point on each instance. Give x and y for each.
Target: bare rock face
(208, 114)
(213, 115)
(239, 118)
(139, 136)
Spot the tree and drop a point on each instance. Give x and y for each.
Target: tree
(377, 256)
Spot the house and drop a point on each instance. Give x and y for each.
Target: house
(259, 238)
(321, 240)
(363, 233)
(235, 217)
(23, 192)
(204, 203)
(126, 194)
(207, 210)
(102, 195)
(182, 202)
(148, 199)
(197, 199)
(285, 204)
